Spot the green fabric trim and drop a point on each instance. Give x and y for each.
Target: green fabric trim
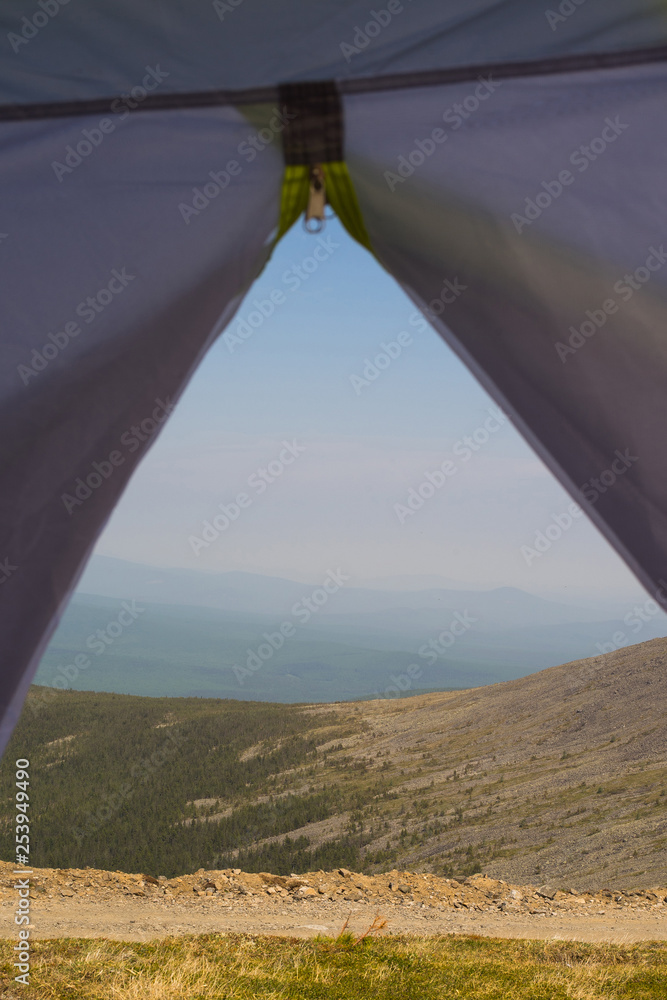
(343, 199)
(296, 185)
(294, 198)
(340, 194)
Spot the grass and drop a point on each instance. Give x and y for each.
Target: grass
(241, 967)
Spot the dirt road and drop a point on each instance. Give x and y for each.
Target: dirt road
(91, 903)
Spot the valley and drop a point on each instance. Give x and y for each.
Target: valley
(556, 777)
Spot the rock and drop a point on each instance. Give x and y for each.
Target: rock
(279, 882)
(353, 895)
(547, 892)
(430, 895)
(295, 883)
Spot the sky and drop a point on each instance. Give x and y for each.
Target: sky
(300, 457)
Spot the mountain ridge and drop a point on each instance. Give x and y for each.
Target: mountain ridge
(110, 577)
(557, 776)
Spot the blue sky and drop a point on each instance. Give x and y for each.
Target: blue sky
(359, 451)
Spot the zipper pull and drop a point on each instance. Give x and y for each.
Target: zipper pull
(317, 199)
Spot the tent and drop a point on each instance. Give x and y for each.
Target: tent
(153, 151)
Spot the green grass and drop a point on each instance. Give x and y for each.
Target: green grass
(236, 967)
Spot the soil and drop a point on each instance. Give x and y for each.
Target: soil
(92, 903)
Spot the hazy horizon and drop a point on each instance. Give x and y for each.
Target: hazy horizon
(397, 583)
(286, 412)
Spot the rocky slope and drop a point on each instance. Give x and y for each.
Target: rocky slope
(559, 778)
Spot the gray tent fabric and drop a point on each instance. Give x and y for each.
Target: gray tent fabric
(530, 175)
(60, 50)
(561, 303)
(115, 286)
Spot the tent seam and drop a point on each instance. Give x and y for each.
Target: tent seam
(581, 62)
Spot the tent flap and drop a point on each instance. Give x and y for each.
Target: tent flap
(507, 167)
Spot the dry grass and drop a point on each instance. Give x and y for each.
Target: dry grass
(240, 967)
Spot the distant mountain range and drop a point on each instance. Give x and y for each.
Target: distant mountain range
(239, 635)
(504, 607)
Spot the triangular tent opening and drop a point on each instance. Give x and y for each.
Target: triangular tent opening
(326, 433)
(486, 144)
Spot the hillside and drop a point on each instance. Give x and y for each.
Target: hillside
(557, 777)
